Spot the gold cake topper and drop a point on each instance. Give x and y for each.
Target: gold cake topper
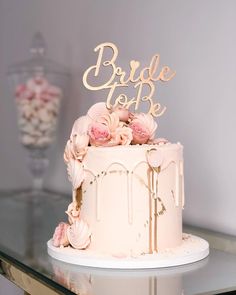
(144, 78)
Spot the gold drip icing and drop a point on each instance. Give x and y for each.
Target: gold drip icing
(130, 196)
(173, 194)
(79, 196)
(120, 171)
(149, 171)
(163, 208)
(154, 199)
(155, 186)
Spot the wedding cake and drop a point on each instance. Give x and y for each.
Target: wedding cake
(128, 184)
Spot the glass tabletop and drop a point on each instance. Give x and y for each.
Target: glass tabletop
(26, 224)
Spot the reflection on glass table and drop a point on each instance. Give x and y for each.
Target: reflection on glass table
(26, 226)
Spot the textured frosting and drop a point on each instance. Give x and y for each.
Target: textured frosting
(119, 203)
(127, 184)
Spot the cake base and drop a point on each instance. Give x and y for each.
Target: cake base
(192, 249)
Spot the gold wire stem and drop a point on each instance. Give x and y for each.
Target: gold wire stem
(150, 176)
(156, 170)
(155, 225)
(79, 196)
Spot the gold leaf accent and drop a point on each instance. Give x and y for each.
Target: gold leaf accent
(163, 208)
(79, 196)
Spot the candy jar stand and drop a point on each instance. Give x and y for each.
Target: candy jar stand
(38, 86)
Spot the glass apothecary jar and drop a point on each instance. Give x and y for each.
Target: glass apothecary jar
(38, 88)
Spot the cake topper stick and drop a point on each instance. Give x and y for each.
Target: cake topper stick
(118, 79)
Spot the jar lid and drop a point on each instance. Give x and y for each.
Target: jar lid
(38, 64)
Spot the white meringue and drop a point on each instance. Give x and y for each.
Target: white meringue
(79, 234)
(75, 172)
(81, 126)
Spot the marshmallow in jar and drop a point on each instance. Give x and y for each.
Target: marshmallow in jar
(38, 104)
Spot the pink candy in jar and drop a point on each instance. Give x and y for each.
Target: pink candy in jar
(38, 104)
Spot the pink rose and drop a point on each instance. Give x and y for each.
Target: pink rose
(99, 134)
(111, 121)
(103, 131)
(73, 212)
(123, 135)
(124, 114)
(60, 235)
(143, 127)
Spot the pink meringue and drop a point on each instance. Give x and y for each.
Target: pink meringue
(68, 152)
(79, 145)
(97, 110)
(76, 147)
(81, 125)
(60, 235)
(79, 234)
(75, 172)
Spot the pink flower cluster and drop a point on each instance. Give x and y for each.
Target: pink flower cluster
(37, 88)
(76, 233)
(104, 127)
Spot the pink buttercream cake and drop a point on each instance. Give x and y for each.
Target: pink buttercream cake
(128, 185)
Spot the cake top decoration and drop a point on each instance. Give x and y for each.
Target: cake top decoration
(142, 80)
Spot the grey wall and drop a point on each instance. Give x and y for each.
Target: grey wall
(197, 38)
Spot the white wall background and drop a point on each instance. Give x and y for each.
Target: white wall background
(197, 38)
